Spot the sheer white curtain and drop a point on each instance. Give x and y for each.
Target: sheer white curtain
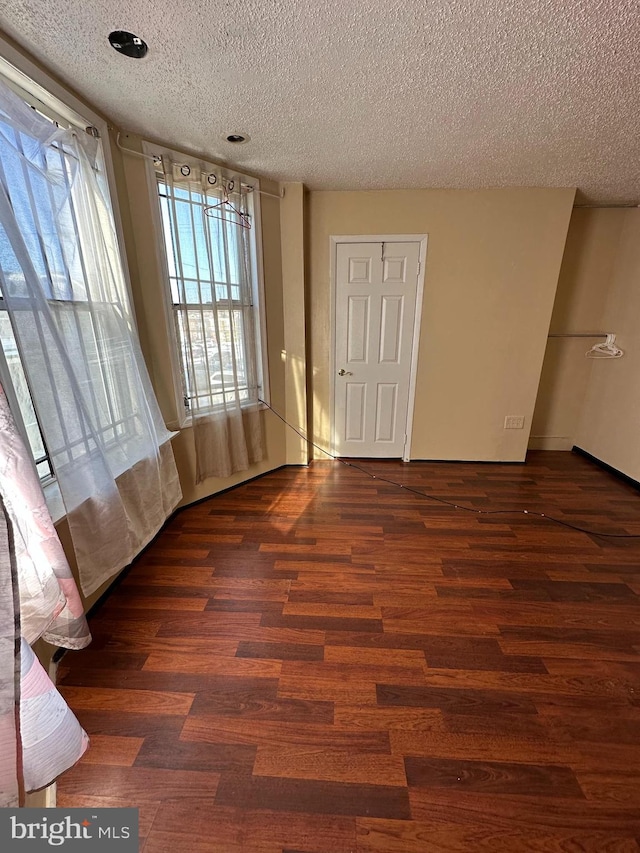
(210, 274)
(63, 286)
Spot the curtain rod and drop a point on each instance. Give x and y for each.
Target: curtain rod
(155, 157)
(604, 206)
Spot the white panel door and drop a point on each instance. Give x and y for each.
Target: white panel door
(376, 288)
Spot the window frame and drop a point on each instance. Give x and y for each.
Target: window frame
(49, 97)
(184, 418)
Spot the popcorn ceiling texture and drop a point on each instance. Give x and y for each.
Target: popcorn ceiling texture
(350, 94)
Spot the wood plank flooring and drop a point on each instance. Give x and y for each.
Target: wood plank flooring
(321, 662)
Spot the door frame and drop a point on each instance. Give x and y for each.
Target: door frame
(334, 240)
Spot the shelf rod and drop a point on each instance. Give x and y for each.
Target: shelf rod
(579, 335)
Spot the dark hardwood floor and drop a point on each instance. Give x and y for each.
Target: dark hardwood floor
(318, 661)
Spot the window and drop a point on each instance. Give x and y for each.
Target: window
(12, 372)
(213, 285)
(59, 233)
(56, 233)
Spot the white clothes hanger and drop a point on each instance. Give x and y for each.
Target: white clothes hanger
(607, 349)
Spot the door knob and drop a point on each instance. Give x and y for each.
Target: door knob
(343, 372)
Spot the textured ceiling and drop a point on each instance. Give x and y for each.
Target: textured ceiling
(367, 94)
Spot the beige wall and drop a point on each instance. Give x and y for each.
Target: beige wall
(493, 261)
(292, 229)
(585, 279)
(609, 426)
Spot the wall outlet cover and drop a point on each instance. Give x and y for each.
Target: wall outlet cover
(514, 422)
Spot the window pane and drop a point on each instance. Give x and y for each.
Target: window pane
(171, 258)
(21, 390)
(44, 470)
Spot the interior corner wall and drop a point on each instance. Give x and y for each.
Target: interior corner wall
(148, 295)
(292, 235)
(493, 260)
(609, 425)
(586, 277)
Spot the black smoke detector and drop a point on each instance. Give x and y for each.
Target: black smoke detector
(128, 44)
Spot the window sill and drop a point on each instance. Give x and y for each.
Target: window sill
(187, 423)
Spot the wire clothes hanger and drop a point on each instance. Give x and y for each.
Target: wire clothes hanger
(227, 211)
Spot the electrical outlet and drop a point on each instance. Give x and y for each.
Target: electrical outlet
(514, 422)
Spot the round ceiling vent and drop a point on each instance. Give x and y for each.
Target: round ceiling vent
(238, 138)
(128, 44)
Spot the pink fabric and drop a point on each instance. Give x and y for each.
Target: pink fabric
(34, 681)
(50, 739)
(50, 604)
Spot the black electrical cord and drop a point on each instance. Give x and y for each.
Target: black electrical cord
(443, 500)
